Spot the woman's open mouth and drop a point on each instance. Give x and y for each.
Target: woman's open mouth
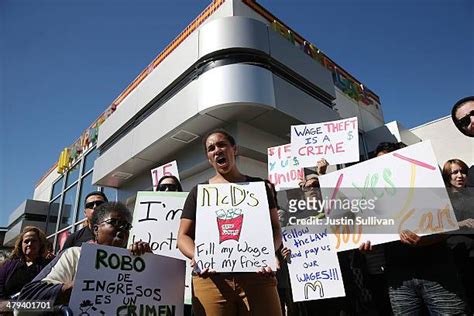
(221, 161)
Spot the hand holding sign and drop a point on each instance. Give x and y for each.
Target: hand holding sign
(139, 248)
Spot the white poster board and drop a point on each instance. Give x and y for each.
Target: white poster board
(156, 220)
(233, 228)
(402, 190)
(314, 268)
(111, 281)
(336, 141)
(283, 169)
(168, 169)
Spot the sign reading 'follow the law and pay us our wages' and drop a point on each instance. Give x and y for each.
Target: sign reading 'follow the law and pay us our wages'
(233, 228)
(111, 281)
(156, 219)
(377, 199)
(314, 268)
(336, 141)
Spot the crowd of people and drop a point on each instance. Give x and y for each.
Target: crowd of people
(430, 275)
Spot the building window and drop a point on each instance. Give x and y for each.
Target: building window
(86, 188)
(53, 216)
(89, 160)
(68, 207)
(73, 174)
(57, 187)
(69, 204)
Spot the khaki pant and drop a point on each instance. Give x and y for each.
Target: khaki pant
(235, 294)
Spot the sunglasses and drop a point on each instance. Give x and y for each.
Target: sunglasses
(118, 223)
(168, 187)
(464, 122)
(93, 204)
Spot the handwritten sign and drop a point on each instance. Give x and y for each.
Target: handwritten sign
(168, 169)
(283, 169)
(156, 219)
(336, 141)
(401, 190)
(314, 268)
(110, 281)
(233, 228)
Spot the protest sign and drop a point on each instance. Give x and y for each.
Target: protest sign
(168, 169)
(314, 268)
(377, 199)
(336, 141)
(156, 220)
(283, 169)
(233, 228)
(111, 281)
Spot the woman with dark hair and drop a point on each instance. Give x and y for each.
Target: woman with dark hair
(169, 183)
(111, 224)
(29, 257)
(463, 115)
(228, 293)
(461, 242)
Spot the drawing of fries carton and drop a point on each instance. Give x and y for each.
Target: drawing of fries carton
(229, 224)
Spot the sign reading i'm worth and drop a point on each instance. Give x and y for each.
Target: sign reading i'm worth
(336, 141)
(314, 268)
(168, 169)
(111, 281)
(233, 228)
(283, 169)
(401, 190)
(156, 220)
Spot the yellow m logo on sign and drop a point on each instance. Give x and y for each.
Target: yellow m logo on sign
(314, 286)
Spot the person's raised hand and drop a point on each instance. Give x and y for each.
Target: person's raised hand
(467, 223)
(139, 248)
(409, 238)
(202, 273)
(266, 272)
(321, 166)
(286, 253)
(365, 247)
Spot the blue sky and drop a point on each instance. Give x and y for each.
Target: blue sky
(63, 62)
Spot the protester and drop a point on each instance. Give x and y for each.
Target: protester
(111, 224)
(374, 264)
(92, 200)
(172, 184)
(169, 183)
(463, 115)
(228, 293)
(288, 307)
(29, 257)
(421, 275)
(461, 242)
